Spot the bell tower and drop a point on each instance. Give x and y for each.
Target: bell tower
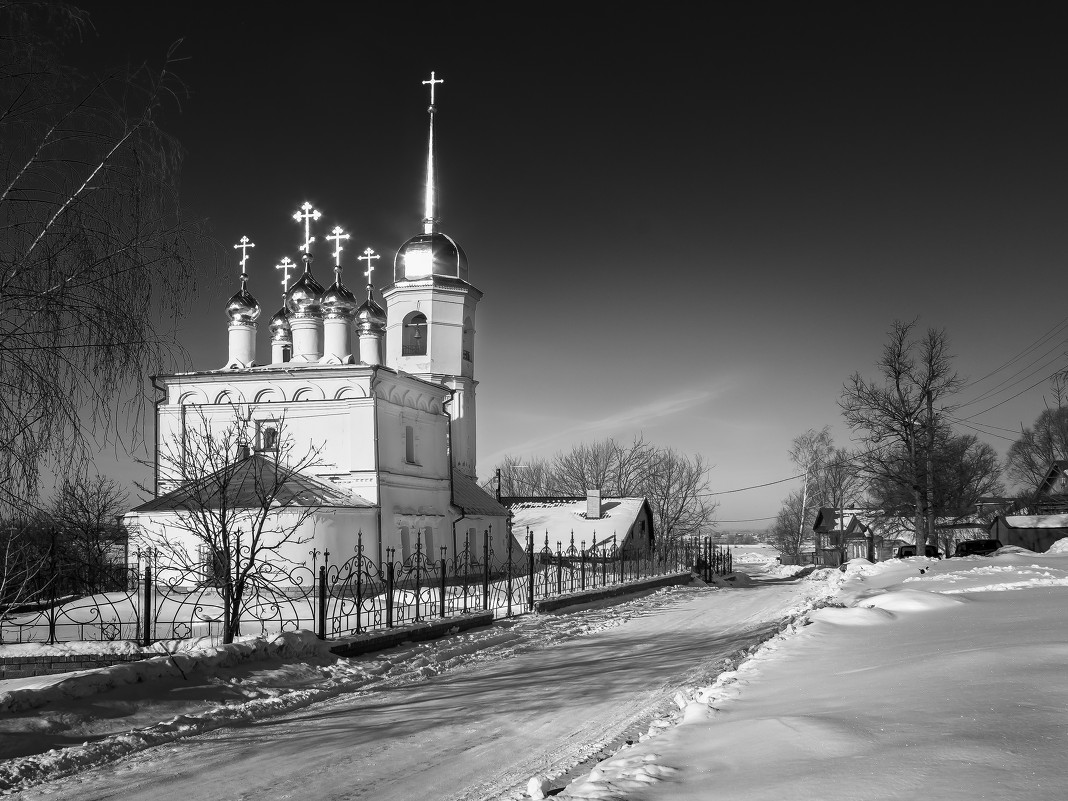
(430, 314)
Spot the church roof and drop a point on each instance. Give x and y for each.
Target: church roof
(244, 483)
(473, 499)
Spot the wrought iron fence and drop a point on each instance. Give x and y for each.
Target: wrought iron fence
(337, 599)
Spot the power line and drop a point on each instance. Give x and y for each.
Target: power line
(1022, 353)
(1018, 394)
(980, 431)
(750, 520)
(755, 486)
(994, 390)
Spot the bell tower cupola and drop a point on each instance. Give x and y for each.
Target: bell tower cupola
(430, 312)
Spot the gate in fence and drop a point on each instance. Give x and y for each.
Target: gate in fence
(337, 599)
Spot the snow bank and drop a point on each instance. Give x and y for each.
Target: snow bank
(904, 685)
(41, 690)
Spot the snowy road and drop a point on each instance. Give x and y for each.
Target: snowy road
(512, 707)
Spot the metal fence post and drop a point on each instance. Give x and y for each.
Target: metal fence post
(359, 579)
(322, 602)
(146, 640)
(582, 558)
(418, 577)
(560, 568)
(508, 570)
(485, 568)
(530, 571)
(444, 568)
(467, 567)
(389, 588)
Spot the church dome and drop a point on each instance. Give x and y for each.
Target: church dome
(305, 295)
(279, 326)
(242, 307)
(430, 254)
(370, 315)
(338, 301)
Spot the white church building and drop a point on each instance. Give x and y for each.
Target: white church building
(384, 398)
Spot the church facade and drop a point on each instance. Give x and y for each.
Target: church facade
(376, 405)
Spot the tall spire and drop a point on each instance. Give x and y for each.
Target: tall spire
(430, 206)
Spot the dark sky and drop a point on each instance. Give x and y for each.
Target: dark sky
(691, 227)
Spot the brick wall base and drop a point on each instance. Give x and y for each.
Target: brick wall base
(17, 667)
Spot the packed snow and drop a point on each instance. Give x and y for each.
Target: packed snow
(904, 679)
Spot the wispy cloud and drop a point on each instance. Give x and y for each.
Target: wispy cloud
(636, 417)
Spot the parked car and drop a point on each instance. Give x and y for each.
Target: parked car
(977, 548)
(905, 551)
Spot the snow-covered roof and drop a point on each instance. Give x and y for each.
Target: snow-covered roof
(559, 518)
(245, 482)
(1036, 521)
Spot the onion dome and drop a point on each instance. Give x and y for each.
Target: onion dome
(279, 326)
(370, 316)
(242, 307)
(305, 295)
(430, 254)
(338, 301)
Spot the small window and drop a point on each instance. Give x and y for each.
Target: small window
(409, 445)
(267, 435)
(406, 542)
(428, 543)
(468, 341)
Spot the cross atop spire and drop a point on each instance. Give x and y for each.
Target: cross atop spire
(430, 203)
(432, 82)
(243, 246)
(284, 267)
(308, 215)
(337, 235)
(368, 256)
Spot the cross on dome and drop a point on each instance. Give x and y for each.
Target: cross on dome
(337, 235)
(284, 267)
(368, 256)
(244, 245)
(308, 215)
(432, 82)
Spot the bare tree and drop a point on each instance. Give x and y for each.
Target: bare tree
(675, 485)
(525, 478)
(587, 466)
(234, 514)
(963, 470)
(895, 415)
(94, 262)
(787, 533)
(85, 511)
(24, 563)
(677, 489)
(1030, 457)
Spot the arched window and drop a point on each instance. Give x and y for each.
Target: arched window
(413, 342)
(469, 341)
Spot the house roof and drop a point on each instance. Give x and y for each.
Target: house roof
(1035, 521)
(560, 517)
(1056, 470)
(474, 500)
(243, 483)
(828, 518)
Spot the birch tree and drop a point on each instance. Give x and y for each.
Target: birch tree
(94, 256)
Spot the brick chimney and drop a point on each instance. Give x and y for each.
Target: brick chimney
(593, 504)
